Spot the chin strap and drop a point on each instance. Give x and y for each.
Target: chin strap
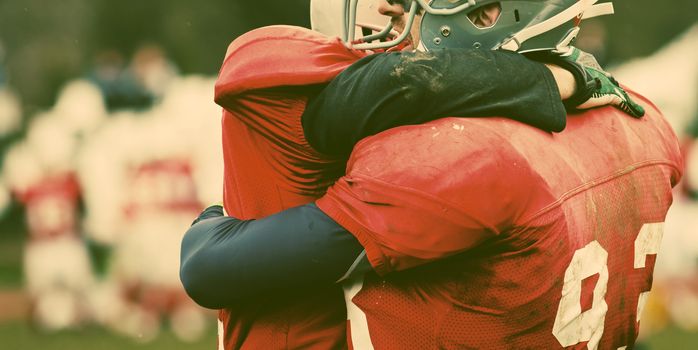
(587, 9)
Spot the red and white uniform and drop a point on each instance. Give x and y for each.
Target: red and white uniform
(161, 197)
(51, 206)
(545, 241)
(269, 166)
(56, 262)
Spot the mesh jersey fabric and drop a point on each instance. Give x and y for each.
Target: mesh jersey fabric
(547, 241)
(269, 167)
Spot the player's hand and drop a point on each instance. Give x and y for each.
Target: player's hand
(609, 92)
(596, 87)
(210, 212)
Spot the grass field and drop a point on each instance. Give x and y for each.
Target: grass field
(672, 339)
(18, 336)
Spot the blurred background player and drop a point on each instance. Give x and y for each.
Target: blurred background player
(138, 181)
(41, 172)
(10, 122)
(154, 180)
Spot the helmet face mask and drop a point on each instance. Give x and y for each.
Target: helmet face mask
(522, 25)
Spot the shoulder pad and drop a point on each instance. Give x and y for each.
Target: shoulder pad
(281, 56)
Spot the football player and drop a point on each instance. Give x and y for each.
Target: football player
(281, 152)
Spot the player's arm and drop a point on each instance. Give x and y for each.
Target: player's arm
(386, 90)
(225, 260)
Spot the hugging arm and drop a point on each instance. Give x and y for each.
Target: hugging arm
(225, 260)
(383, 91)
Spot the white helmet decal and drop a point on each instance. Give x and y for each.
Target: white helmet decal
(326, 17)
(329, 17)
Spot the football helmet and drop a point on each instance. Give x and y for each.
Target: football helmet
(330, 17)
(522, 25)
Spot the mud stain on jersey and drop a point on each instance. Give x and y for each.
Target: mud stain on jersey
(421, 69)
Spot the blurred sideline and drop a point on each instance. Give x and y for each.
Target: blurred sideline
(109, 179)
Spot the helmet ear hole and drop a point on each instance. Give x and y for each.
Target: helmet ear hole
(516, 16)
(485, 16)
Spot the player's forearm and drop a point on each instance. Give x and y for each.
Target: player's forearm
(565, 81)
(225, 260)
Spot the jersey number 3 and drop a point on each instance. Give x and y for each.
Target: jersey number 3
(572, 326)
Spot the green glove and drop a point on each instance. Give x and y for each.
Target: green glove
(596, 87)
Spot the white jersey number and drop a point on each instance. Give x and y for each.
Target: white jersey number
(572, 326)
(360, 335)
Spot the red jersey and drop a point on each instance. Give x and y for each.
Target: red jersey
(547, 241)
(269, 167)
